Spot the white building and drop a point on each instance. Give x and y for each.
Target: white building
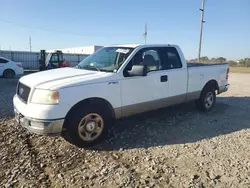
(79, 50)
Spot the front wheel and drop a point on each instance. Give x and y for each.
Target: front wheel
(207, 100)
(86, 126)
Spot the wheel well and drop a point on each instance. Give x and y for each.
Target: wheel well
(9, 70)
(213, 84)
(93, 101)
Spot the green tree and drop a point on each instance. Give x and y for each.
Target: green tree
(204, 59)
(221, 59)
(232, 63)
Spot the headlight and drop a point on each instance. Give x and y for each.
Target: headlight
(42, 96)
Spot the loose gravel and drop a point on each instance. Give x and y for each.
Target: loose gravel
(7, 91)
(173, 147)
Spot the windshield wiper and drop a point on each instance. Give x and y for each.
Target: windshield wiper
(91, 67)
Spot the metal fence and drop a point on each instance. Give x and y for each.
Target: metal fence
(30, 60)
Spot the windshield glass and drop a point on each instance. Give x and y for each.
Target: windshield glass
(48, 58)
(107, 59)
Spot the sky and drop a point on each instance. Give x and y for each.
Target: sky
(64, 24)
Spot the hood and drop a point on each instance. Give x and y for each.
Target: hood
(51, 78)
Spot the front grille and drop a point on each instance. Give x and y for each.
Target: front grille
(23, 92)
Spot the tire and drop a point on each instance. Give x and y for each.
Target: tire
(207, 99)
(9, 73)
(86, 121)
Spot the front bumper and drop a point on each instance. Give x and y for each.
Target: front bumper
(41, 127)
(223, 89)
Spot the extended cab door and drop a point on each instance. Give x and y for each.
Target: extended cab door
(174, 64)
(143, 93)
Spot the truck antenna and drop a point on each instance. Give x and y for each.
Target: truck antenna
(201, 28)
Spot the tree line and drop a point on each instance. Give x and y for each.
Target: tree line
(245, 62)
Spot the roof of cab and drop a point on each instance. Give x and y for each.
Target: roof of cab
(126, 45)
(141, 45)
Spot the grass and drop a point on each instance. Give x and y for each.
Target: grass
(240, 69)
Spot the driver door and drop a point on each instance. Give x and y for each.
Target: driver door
(144, 93)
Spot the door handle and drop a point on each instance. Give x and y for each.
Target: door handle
(164, 78)
(113, 82)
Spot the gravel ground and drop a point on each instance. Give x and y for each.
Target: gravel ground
(173, 147)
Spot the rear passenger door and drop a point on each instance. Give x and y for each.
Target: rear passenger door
(177, 75)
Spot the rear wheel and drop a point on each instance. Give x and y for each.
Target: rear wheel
(207, 99)
(87, 125)
(9, 73)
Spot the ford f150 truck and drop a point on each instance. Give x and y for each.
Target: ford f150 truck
(82, 102)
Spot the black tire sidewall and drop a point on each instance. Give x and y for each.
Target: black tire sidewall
(203, 96)
(8, 73)
(73, 120)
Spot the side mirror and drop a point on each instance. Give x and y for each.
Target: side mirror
(138, 70)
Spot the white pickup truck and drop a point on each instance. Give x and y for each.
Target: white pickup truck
(81, 103)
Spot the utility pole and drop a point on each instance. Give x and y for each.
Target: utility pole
(30, 43)
(201, 28)
(145, 34)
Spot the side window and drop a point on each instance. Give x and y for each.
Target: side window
(3, 60)
(145, 56)
(60, 57)
(54, 58)
(171, 59)
(151, 59)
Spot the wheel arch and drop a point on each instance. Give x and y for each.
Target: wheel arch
(93, 101)
(211, 83)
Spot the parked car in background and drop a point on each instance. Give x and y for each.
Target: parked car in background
(9, 68)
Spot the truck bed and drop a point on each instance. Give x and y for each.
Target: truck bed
(203, 64)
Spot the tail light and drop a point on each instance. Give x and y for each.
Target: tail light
(20, 65)
(227, 73)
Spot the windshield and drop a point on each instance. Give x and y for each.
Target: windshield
(48, 58)
(107, 59)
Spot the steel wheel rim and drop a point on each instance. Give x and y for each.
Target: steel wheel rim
(90, 127)
(209, 99)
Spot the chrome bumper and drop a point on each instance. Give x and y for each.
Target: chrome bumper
(41, 127)
(223, 89)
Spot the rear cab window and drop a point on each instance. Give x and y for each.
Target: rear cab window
(170, 58)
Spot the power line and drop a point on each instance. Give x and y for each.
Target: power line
(38, 28)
